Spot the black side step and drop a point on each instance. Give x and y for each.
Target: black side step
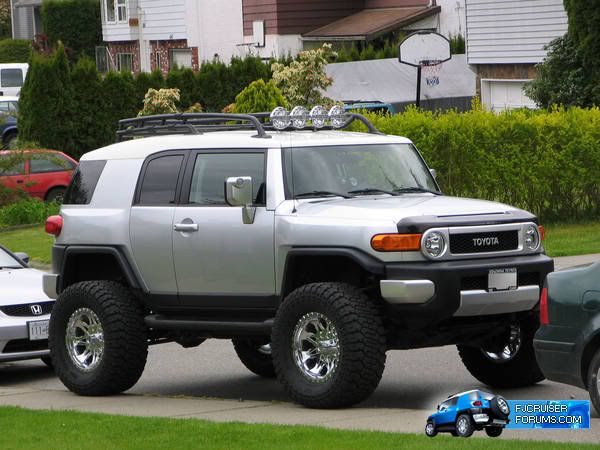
(161, 322)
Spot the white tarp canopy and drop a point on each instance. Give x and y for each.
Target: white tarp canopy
(389, 81)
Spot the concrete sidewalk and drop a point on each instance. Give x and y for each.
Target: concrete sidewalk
(252, 411)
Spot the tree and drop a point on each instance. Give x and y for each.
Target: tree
(46, 107)
(119, 88)
(304, 78)
(258, 97)
(162, 101)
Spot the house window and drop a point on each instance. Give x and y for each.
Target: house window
(158, 61)
(115, 10)
(125, 62)
(181, 57)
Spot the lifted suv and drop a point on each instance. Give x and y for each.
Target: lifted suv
(315, 251)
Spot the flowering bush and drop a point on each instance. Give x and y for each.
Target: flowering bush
(302, 81)
(161, 101)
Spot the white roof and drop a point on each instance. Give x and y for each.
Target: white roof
(141, 148)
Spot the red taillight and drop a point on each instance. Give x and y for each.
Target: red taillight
(544, 319)
(54, 225)
(477, 403)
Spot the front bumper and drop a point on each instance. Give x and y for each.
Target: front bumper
(14, 339)
(459, 288)
(50, 285)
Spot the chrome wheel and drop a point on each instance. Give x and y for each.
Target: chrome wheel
(316, 347)
(510, 349)
(429, 429)
(462, 426)
(503, 406)
(85, 339)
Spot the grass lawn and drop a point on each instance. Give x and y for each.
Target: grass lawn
(27, 429)
(561, 240)
(33, 241)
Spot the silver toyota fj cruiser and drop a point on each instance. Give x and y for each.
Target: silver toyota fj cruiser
(315, 250)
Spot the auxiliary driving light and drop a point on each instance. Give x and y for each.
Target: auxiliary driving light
(337, 116)
(434, 244)
(299, 117)
(318, 116)
(280, 118)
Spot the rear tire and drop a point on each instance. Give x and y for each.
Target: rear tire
(56, 195)
(593, 381)
(493, 431)
(328, 345)
(520, 370)
(255, 354)
(106, 349)
(464, 426)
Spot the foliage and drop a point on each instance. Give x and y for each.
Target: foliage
(561, 78)
(46, 105)
(8, 161)
(162, 101)
(15, 50)
(387, 48)
(302, 81)
(457, 44)
(543, 161)
(119, 88)
(76, 23)
(258, 97)
(184, 81)
(584, 30)
(90, 129)
(32, 240)
(26, 211)
(5, 19)
(145, 81)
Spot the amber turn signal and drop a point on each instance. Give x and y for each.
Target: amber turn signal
(542, 232)
(396, 242)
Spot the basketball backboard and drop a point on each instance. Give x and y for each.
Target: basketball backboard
(423, 48)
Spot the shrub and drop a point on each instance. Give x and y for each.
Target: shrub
(214, 87)
(27, 211)
(543, 161)
(76, 23)
(15, 50)
(162, 101)
(119, 89)
(258, 97)
(145, 81)
(46, 105)
(184, 81)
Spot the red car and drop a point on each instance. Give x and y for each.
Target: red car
(45, 175)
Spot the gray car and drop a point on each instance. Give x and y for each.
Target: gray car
(24, 310)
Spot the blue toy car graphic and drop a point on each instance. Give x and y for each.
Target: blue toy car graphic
(462, 414)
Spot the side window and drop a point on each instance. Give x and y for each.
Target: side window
(11, 77)
(83, 184)
(160, 180)
(4, 107)
(212, 169)
(17, 169)
(49, 163)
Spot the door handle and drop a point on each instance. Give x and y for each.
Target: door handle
(187, 227)
(19, 181)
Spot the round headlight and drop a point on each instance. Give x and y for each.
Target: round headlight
(299, 117)
(532, 237)
(434, 244)
(280, 118)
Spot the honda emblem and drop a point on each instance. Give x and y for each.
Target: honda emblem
(37, 310)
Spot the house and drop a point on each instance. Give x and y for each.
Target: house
(26, 19)
(505, 39)
(149, 34)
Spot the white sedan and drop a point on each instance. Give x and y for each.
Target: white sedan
(24, 310)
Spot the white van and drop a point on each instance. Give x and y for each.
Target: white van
(12, 77)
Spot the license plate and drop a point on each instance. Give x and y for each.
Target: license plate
(38, 330)
(502, 279)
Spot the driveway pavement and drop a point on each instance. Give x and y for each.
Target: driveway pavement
(209, 382)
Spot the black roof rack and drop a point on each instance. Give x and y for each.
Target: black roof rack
(198, 123)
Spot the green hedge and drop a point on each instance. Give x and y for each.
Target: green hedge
(544, 161)
(27, 211)
(14, 50)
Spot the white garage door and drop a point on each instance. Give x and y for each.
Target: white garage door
(499, 95)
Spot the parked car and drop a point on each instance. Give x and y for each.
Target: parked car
(9, 107)
(567, 344)
(464, 413)
(24, 310)
(45, 174)
(12, 77)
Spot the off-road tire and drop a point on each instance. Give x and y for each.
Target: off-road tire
(362, 345)
(125, 338)
(522, 370)
(430, 429)
(255, 361)
(592, 381)
(500, 407)
(469, 427)
(493, 431)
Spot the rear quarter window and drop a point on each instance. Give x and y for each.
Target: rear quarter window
(83, 184)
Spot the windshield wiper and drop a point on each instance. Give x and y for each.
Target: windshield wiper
(403, 190)
(372, 191)
(322, 194)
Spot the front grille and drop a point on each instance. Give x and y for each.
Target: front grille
(528, 279)
(494, 241)
(25, 345)
(25, 310)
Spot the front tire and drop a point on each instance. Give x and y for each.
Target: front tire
(98, 339)
(328, 345)
(255, 354)
(430, 430)
(593, 381)
(464, 426)
(509, 367)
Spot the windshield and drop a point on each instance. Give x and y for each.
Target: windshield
(7, 261)
(351, 170)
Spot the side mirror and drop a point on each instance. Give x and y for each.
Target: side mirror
(238, 192)
(433, 173)
(23, 257)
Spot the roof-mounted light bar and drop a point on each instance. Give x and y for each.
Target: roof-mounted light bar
(299, 118)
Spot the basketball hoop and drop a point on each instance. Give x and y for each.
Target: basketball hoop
(425, 50)
(431, 71)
